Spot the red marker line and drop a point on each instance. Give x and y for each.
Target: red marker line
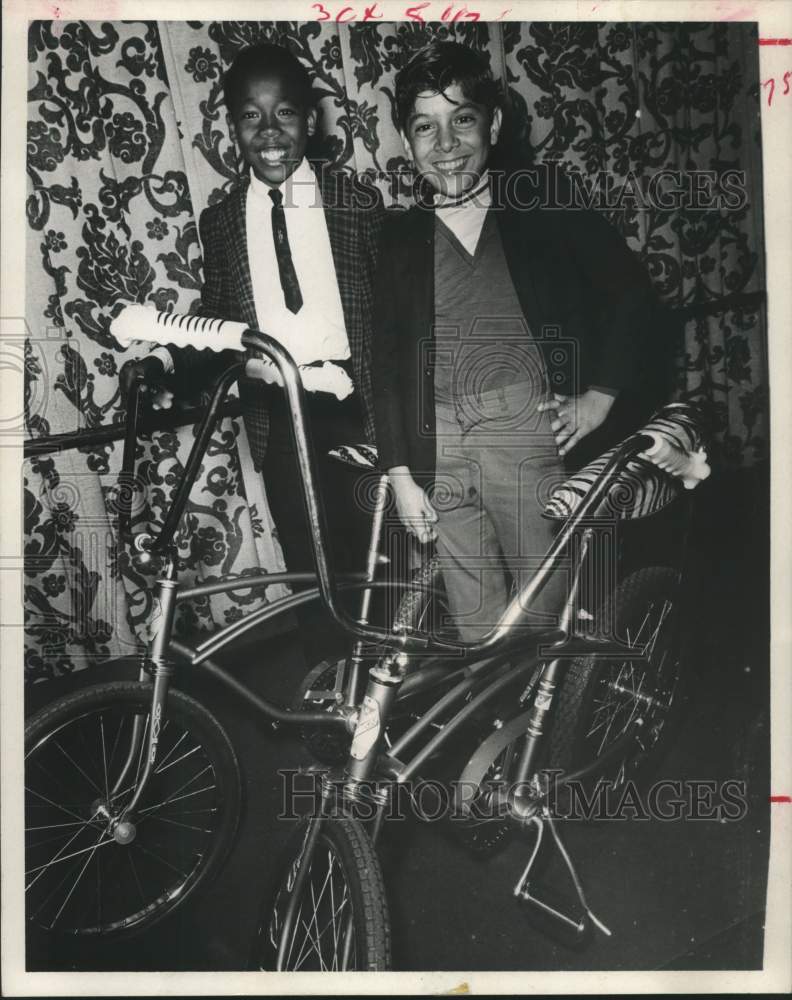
(781, 798)
(775, 41)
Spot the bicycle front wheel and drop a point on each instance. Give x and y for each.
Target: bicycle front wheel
(340, 921)
(89, 879)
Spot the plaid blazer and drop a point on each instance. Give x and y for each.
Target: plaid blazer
(354, 213)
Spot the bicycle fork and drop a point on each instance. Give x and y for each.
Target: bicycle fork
(548, 681)
(146, 732)
(384, 682)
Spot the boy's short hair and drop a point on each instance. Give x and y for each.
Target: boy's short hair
(437, 66)
(266, 59)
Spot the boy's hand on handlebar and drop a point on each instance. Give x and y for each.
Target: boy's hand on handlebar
(262, 368)
(413, 505)
(148, 371)
(576, 416)
(161, 398)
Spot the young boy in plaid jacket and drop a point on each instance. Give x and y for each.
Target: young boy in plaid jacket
(290, 251)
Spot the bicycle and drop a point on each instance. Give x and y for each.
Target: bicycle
(156, 727)
(65, 844)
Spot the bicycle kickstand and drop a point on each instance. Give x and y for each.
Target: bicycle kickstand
(547, 903)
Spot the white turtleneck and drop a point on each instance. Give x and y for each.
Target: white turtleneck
(465, 215)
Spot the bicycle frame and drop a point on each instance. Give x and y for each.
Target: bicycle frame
(386, 678)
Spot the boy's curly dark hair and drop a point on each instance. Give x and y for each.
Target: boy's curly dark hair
(436, 67)
(266, 59)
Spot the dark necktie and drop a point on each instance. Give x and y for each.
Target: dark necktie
(292, 295)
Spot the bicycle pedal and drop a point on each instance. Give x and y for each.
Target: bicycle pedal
(569, 918)
(559, 915)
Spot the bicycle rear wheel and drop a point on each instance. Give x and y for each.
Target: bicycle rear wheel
(86, 881)
(341, 919)
(601, 697)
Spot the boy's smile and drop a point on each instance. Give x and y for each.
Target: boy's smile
(272, 128)
(449, 137)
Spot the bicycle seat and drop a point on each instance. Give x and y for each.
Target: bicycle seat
(640, 488)
(362, 456)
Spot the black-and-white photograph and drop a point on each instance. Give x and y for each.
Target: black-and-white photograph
(396, 494)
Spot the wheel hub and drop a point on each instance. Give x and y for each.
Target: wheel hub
(124, 832)
(639, 696)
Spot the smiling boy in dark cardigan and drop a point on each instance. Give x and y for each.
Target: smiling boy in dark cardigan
(467, 421)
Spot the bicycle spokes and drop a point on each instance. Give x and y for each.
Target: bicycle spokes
(636, 688)
(91, 868)
(323, 935)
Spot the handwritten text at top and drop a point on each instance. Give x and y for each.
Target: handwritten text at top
(419, 13)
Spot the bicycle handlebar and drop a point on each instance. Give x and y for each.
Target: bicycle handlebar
(326, 579)
(657, 447)
(137, 322)
(498, 635)
(690, 467)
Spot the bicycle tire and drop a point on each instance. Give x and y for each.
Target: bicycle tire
(644, 610)
(75, 749)
(343, 848)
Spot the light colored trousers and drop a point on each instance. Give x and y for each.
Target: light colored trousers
(496, 460)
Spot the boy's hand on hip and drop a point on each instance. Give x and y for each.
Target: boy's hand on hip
(576, 416)
(413, 505)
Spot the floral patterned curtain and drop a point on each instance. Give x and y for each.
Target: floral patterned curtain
(128, 142)
(634, 102)
(111, 219)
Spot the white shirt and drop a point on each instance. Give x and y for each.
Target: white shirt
(317, 332)
(465, 218)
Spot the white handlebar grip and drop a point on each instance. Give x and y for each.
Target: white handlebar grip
(137, 322)
(691, 467)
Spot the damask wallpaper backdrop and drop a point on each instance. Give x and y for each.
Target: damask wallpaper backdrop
(128, 142)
